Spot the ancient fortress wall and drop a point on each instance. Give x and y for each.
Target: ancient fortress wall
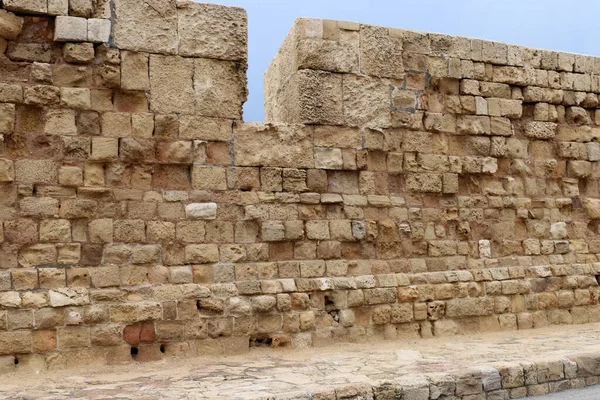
(407, 185)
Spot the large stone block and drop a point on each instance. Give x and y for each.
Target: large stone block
(380, 52)
(172, 85)
(220, 88)
(366, 101)
(10, 25)
(149, 26)
(273, 146)
(212, 31)
(27, 6)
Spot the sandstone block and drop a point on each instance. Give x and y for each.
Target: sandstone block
(79, 53)
(471, 307)
(141, 26)
(424, 183)
(58, 230)
(10, 25)
(212, 31)
(58, 7)
(36, 171)
(201, 253)
(78, 98)
(7, 118)
(98, 30)
(381, 53)
(171, 84)
(540, 130)
(135, 73)
(366, 101)
(15, 342)
(70, 29)
(592, 207)
(27, 6)
(104, 149)
(209, 178)
(7, 172)
(219, 88)
(37, 255)
(273, 146)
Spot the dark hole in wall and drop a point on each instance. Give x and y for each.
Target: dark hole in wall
(134, 351)
(261, 341)
(162, 348)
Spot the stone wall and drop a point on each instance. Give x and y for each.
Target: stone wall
(406, 185)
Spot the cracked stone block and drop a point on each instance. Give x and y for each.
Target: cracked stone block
(71, 29)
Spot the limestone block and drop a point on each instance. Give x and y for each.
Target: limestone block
(104, 149)
(37, 255)
(424, 183)
(201, 210)
(146, 26)
(70, 29)
(220, 88)
(98, 30)
(593, 150)
(212, 31)
(328, 158)
(78, 98)
(171, 84)
(272, 231)
(81, 8)
(540, 130)
(69, 297)
(366, 101)
(469, 307)
(26, 6)
(10, 25)
(55, 230)
(38, 206)
(79, 53)
(273, 146)
(592, 207)
(7, 172)
(380, 53)
(7, 118)
(16, 342)
(201, 253)
(135, 71)
(36, 171)
(210, 178)
(311, 97)
(58, 7)
(101, 230)
(60, 122)
(326, 45)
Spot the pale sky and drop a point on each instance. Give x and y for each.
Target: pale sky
(551, 24)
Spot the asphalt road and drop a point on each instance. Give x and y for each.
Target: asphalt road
(589, 393)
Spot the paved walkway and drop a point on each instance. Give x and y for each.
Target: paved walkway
(291, 374)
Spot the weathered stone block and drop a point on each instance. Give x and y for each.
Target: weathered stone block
(98, 30)
(71, 29)
(172, 84)
(212, 31)
(146, 27)
(10, 25)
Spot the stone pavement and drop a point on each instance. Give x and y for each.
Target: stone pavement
(313, 373)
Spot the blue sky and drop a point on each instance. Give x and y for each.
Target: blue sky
(551, 24)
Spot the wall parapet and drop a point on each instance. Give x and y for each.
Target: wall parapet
(405, 184)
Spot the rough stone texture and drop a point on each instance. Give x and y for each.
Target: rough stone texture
(408, 185)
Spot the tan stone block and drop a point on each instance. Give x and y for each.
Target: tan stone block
(366, 101)
(272, 231)
(116, 124)
(101, 230)
(7, 118)
(69, 253)
(135, 71)
(94, 174)
(317, 230)
(274, 146)
(104, 149)
(191, 231)
(381, 53)
(55, 230)
(78, 53)
(15, 342)
(210, 178)
(141, 28)
(202, 253)
(7, 172)
(142, 125)
(424, 183)
(36, 255)
(10, 24)
(129, 231)
(70, 176)
(78, 98)
(38, 206)
(220, 88)
(171, 82)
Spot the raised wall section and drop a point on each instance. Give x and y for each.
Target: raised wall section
(410, 185)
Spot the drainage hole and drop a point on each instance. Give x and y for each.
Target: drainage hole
(162, 348)
(16, 361)
(134, 351)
